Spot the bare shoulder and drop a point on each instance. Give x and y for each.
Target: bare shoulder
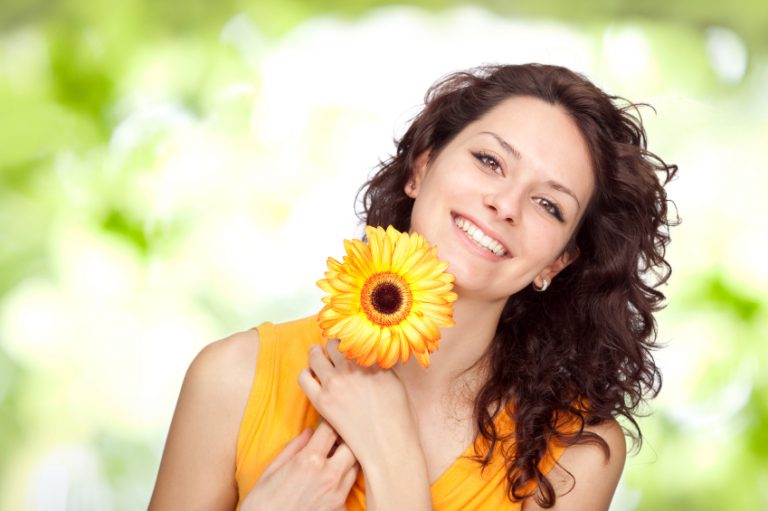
(198, 463)
(585, 478)
(227, 365)
(220, 377)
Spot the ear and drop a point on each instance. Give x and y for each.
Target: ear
(419, 170)
(558, 265)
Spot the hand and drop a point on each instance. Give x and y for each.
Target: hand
(370, 409)
(303, 476)
(367, 406)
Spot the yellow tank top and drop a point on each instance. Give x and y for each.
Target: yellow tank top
(277, 411)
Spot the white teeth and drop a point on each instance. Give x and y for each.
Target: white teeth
(479, 237)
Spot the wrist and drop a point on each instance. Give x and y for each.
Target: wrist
(398, 479)
(388, 445)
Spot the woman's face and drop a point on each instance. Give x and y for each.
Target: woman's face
(515, 181)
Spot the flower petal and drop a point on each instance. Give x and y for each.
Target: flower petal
(423, 358)
(426, 328)
(388, 355)
(413, 337)
(414, 258)
(385, 258)
(400, 253)
(432, 286)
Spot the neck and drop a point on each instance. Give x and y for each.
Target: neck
(461, 346)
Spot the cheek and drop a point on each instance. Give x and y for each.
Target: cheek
(417, 216)
(545, 242)
(429, 200)
(423, 221)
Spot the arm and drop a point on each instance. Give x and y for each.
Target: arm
(396, 478)
(596, 477)
(197, 471)
(198, 463)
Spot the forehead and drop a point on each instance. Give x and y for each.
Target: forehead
(546, 136)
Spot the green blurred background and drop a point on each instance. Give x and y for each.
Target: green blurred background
(173, 172)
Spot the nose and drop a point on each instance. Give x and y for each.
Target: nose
(505, 204)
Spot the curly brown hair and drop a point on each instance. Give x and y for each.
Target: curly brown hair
(589, 338)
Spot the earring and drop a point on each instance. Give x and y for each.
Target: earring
(543, 287)
(411, 184)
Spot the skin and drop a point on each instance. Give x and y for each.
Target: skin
(306, 458)
(377, 412)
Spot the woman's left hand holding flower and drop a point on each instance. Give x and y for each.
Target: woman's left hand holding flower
(369, 408)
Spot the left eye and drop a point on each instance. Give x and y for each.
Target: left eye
(551, 208)
(488, 162)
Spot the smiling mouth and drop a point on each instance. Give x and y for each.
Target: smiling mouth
(480, 238)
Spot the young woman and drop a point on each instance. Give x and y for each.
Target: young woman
(539, 192)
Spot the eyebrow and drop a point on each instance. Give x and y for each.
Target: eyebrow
(564, 189)
(507, 147)
(516, 154)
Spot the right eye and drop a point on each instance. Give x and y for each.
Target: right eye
(488, 161)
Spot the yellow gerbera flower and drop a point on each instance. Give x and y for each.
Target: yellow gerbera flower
(387, 299)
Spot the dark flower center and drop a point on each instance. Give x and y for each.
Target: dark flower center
(386, 298)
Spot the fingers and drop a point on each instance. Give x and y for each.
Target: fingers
(289, 451)
(319, 363)
(342, 458)
(348, 479)
(322, 367)
(322, 440)
(309, 385)
(332, 348)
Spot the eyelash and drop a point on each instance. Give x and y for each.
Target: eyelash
(483, 158)
(555, 210)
